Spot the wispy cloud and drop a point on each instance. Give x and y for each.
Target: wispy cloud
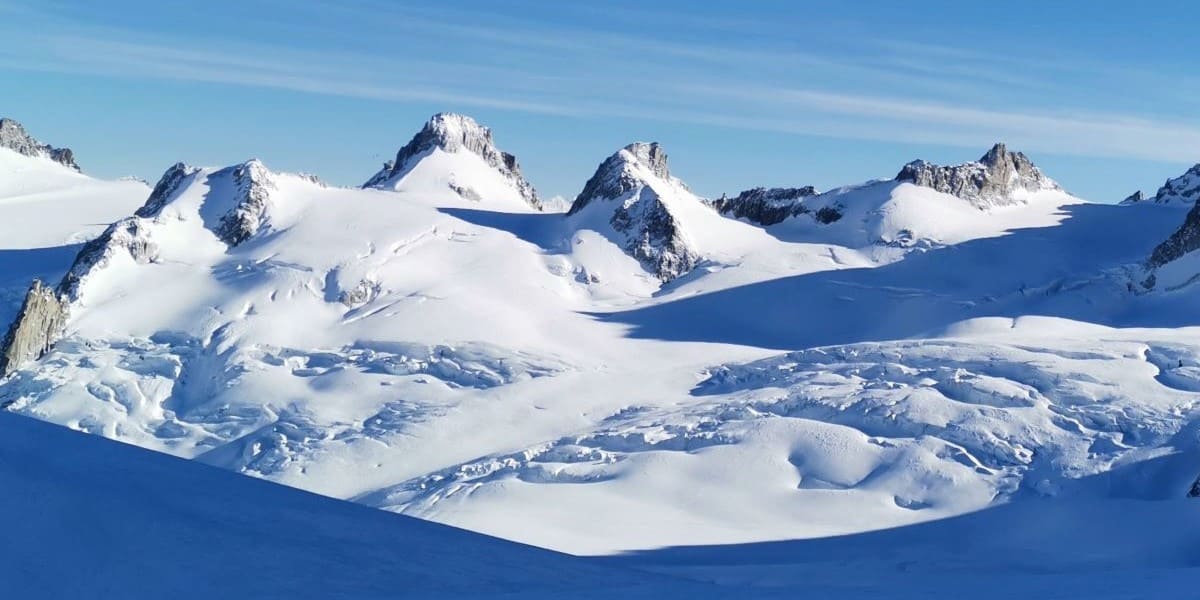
(884, 90)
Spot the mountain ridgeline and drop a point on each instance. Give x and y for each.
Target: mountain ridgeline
(632, 200)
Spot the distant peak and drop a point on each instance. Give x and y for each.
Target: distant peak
(1184, 189)
(14, 137)
(990, 181)
(625, 170)
(452, 132)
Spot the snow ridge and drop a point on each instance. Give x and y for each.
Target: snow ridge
(993, 180)
(452, 132)
(14, 137)
(1184, 189)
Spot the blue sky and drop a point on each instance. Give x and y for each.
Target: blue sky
(1101, 95)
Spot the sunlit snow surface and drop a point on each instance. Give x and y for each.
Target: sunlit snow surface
(492, 368)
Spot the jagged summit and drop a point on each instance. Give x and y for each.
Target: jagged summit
(14, 137)
(996, 179)
(634, 193)
(1184, 189)
(625, 170)
(453, 133)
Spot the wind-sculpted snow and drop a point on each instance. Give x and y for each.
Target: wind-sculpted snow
(931, 427)
(441, 348)
(189, 396)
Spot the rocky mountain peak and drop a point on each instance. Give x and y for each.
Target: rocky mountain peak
(1185, 240)
(14, 137)
(170, 182)
(990, 181)
(631, 184)
(254, 184)
(1184, 189)
(37, 326)
(625, 170)
(452, 132)
(768, 206)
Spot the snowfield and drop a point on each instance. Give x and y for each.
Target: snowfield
(977, 392)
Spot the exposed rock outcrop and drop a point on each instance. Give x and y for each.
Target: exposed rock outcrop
(765, 206)
(164, 191)
(631, 184)
(452, 133)
(1184, 189)
(1195, 491)
(14, 137)
(1186, 239)
(990, 181)
(1134, 198)
(36, 327)
(129, 235)
(249, 214)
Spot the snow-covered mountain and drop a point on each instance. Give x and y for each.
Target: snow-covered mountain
(998, 178)
(1183, 190)
(455, 152)
(14, 137)
(648, 369)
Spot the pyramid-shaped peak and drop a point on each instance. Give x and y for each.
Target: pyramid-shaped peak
(625, 170)
(650, 155)
(453, 133)
(14, 137)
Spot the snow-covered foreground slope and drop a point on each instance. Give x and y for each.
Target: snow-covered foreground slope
(643, 371)
(86, 517)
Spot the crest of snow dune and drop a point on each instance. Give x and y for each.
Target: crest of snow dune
(14, 137)
(998, 178)
(455, 134)
(634, 194)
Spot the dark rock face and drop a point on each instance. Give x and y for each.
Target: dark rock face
(985, 183)
(654, 236)
(770, 206)
(127, 235)
(14, 137)
(1195, 491)
(612, 179)
(1185, 239)
(38, 325)
(253, 183)
(1184, 189)
(164, 190)
(452, 132)
(626, 183)
(1134, 198)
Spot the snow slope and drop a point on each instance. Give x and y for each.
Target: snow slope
(47, 210)
(85, 517)
(520, 373)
